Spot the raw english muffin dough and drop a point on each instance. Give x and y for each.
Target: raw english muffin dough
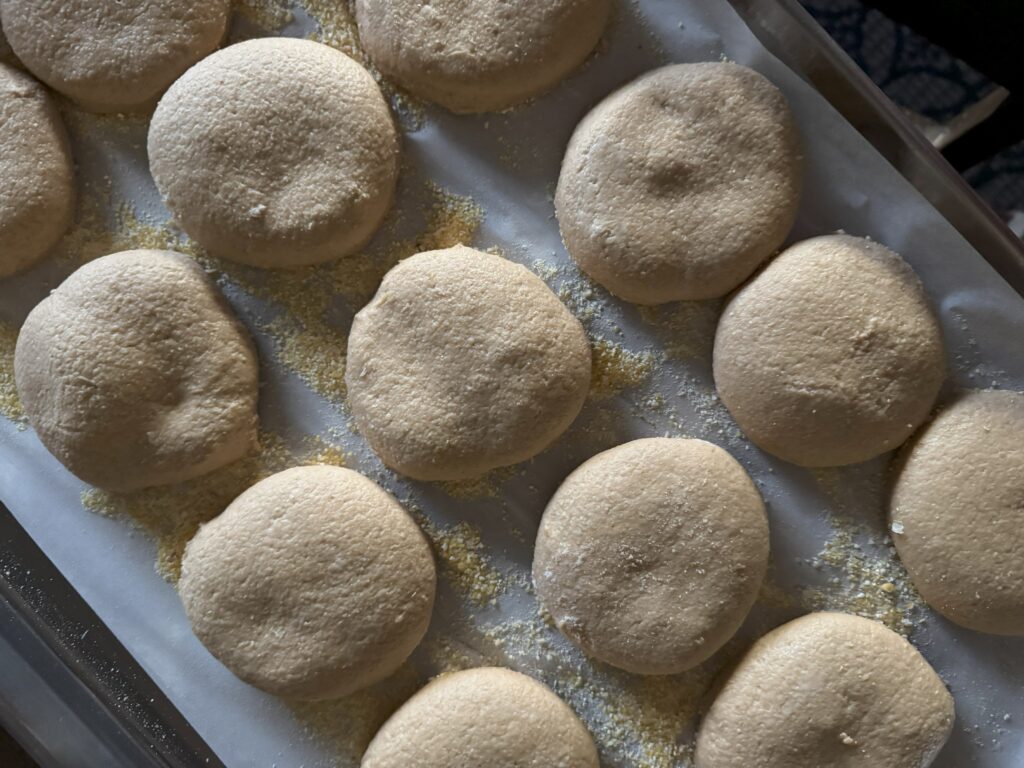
(276, 153)
(957, 511)
(483, 56)
(464, 362)
(828, 690)
(113, 56)
(312, 584)
(650, 554)
(135, 372)
(680, 183)
(831, 355)
(483, 718)
(37, 196)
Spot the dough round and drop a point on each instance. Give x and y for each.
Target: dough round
(113, 56)
(135, 372)
(957, 511)
(483, 718)
(832, 691)
(312, 584)
(276, 153)
(831, 355)
(680, 183)
(650, 554)
(463, 362)
(483, 56)
(37, 196)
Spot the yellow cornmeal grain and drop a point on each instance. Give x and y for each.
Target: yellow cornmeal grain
(10, 404)
(486, 485)
(616, 369)
(876, 587)
(686, 329)
(268, 15)
(346, 726)
(459, 549)
(172, 514)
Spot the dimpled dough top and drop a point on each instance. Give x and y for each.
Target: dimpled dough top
(276, 153)
(464, 362)
(312, 584)
(831, 355)
(37, 196)
(483, 718)
(480, 56)
(135, 372)
(957, 511)
(828, 690)
(680, 183)
(113, 56)
(650, 554)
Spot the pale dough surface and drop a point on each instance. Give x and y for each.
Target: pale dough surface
(650, 554)
(680, 183)
(463, 362)
(479, 56)
(828, 690)
(483, 718)
(957, 511)
(276, 152)
(135, 372)
(831, 355)
(113, 56)
(313, 584)
(37, 194)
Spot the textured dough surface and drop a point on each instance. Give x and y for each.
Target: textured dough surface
(312, 584)
(680, 183)
(135, 372)
(463, 362)
(957, 511)
(276, 153)
(113, 56)
(650, 554)
(480, 56)
(37, 196)
(832, 691)
(831, 355)
(483, 718)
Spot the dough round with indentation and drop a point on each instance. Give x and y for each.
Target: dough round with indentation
(112, 56)
(483, 56)
(831, 355)
(312, 584)
(832, 691)
(37, 197)
(135, 372)
(464, 362)
(956, 512)
(488, 717)
(650, 555)
(276, 153)
(680, 183)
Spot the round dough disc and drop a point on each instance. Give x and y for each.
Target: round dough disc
(37, 197)
(113, 56)
(135, 372)
(312, 584)
(650, 554)
(680, 183)
(276, 153)
(831, 355)
(483, 56)
(832, 691)
(463, 362)
(485, 718)
(956, 511)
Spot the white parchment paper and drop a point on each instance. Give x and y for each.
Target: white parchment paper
(508, 164)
